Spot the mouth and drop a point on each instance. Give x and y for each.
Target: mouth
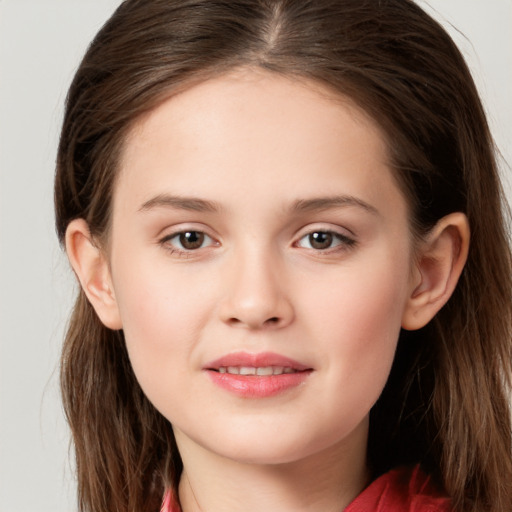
(257, 375)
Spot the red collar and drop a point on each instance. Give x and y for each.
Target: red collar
(404, 489)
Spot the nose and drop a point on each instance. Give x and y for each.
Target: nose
(256, 296)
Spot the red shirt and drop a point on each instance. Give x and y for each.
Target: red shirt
(400, 490)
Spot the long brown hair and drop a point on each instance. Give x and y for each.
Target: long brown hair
(446, 402)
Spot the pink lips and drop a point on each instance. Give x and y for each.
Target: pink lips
(274, 374)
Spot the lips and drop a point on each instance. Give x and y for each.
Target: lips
(257, 375)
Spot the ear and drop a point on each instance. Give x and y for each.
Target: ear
(91, 267)
(440, 260)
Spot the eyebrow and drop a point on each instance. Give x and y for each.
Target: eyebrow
(181, 203)
(326, 203)
(301, 205)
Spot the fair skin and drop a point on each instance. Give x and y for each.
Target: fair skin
(299, 245)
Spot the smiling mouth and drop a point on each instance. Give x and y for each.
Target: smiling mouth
(260, 371)
(257, 376)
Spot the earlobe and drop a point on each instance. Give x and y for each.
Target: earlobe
(91, 267)
(439, 265)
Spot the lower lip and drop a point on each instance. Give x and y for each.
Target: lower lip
(251, 386)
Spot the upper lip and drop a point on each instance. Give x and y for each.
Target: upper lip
(260, 360)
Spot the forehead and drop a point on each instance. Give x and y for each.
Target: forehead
(247, 124)
(235, 93)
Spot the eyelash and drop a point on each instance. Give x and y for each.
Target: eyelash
(344, 242)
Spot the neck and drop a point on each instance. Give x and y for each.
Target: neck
(324, 482)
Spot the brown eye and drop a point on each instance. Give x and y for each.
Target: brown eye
(191, 240)
(320, 240)
(187, 241)
(324, 240)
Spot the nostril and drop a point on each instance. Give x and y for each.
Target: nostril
(273, 320)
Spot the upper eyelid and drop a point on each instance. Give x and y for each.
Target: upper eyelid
(170, 231)
(325, 228)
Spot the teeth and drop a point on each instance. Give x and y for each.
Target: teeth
(247, 370)
(265, 370)
(261, 371)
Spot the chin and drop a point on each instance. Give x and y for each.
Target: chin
(265, 448)
(262, 455)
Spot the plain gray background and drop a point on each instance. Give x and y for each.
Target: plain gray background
(41, 42)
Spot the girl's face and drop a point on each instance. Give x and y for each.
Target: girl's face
(257, 229)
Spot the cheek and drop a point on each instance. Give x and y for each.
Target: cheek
(360, 306)
(163, 318)
(357, 325)
(158, 301)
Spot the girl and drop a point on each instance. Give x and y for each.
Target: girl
(269, 205)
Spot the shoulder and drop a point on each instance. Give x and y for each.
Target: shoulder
(405, 489)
